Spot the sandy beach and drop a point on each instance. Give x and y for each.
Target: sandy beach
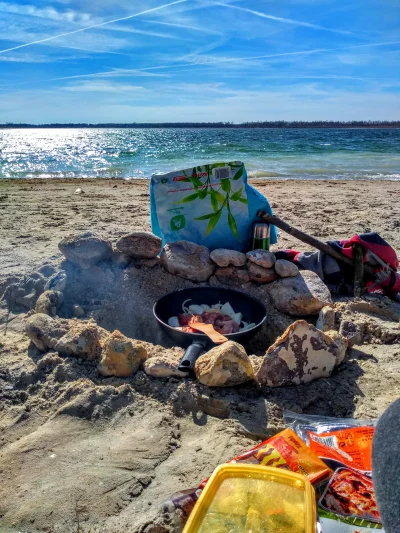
(84, 453)
(36, 214)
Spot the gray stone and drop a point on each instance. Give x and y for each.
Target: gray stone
(225, 365)
(57, 282)
(232, 276)
(224, 257)
(301, 355)
(352, 332)
(163, 366)
(140, 244)
(49, 302)
(78, 311)
(306, 294)
(187, 260)
(262, 258)
(43, 331)
(85, 249)
(286, 269)
(82, 340)
(326, 319)
(259, 274)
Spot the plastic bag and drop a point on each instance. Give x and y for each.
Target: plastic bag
(212, 205)
(284, 450)
(347, 503)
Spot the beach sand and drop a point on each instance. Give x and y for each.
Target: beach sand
(36, 214)
(82, 453)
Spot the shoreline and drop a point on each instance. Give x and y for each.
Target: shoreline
(37, 213)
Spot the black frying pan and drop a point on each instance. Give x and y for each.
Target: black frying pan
(196, 343)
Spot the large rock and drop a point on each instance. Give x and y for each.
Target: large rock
(43, 331)
(225, 365)
(259, 274)
(163, 366)
(187, 260)
(232, 276)
(224, 257)
(286, 269)
(306, 294)
(140, 244)
(301, 355)
(85, 249)
(82, 340)
(121, 356)
(262, 258)
(49, 302)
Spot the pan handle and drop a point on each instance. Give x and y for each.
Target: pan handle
(190, 357)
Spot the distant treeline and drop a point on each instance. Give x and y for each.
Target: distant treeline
(266, 124)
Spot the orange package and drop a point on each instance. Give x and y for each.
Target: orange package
(351, 446)
(284, 450)
(287, 450)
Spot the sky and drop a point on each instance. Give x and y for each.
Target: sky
(199, 60)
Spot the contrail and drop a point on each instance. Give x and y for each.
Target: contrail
(215, 62)
(281, 19)
(93, 26)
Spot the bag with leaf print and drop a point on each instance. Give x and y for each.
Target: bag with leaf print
(211, 205)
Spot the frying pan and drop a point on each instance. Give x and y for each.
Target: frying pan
(196, 343)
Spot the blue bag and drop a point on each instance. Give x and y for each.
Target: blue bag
(211, 205)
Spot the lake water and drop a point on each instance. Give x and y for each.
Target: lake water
(137, 153)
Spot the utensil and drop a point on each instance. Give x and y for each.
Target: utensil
(208, 329)
(253, 311)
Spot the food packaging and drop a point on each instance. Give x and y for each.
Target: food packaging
(242, 498)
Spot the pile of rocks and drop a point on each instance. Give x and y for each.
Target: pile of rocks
(303, 353)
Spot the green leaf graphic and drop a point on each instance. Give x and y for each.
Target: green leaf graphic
(244, 201)
(232, 225)
(196, 182)
(214, 200)
(202, 194)
(226, 185)
(205, 217)
(220, 197)
(213, 222)
(239, 173)
(235, 196)
(190, 198)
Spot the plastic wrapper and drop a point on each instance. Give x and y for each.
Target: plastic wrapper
(212, 205)
(347, 503)
(285, 450)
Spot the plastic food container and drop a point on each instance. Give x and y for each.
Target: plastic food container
(254, 499)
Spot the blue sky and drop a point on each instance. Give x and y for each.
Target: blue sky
(199, 60)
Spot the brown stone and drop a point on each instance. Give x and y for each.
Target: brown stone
(262, 258)
(224, 257)
(259, 274)
(140, 244)
(232, 276)
(85, 249)
(82, 340)
(121, 356)
(225, 365)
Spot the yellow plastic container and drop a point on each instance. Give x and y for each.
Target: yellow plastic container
(254, 499)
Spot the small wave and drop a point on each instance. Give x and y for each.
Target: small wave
(264, 174)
